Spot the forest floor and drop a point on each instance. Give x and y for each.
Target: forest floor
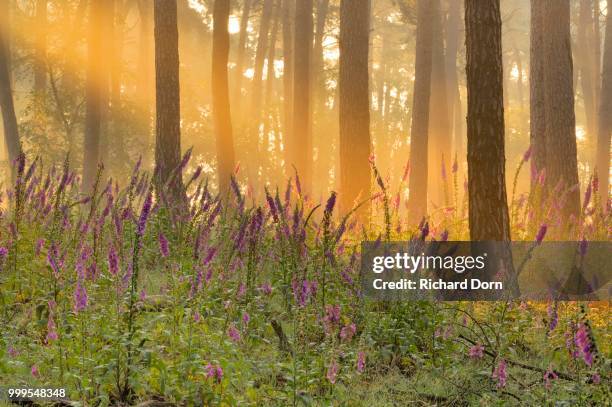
(124, 299)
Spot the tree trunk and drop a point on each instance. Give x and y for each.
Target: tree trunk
(536, 90)
(239, 75)
(9, 119)
(255, 114)
(220, 94)
(269, 95)
(417, 200)
(453, 33)
(96, 93)
(488, 213)
(605, 118)
(144, 78)
(300, 149)
(288, 13)
(354, 105)
(439, 129)
(168, 107)
(561, 158)
(585, 65)
(40, 61)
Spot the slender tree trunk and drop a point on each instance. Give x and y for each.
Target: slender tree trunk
(257, 90)
(453, 33)
(605, 118)
(9, 119)
(40, 61)
(354, 105)
(242, 41)
(439, 129)
(116, 49)
(300, 149)
(585, 65)
(417, 200)
(537, 119)
(96, 93)
(318, 80)
(220, 93)
(561, 154)
(144, 79)
(168, 107)
(288, 13)
(597, 52)
(488, 213)
(269, 97)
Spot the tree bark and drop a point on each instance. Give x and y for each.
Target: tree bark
(257, 90)
(354, 105)
(417, 200)
(300, 150)
(220, 94)
(288, 13)
(453, 33)
(585, 65)
(439, 129)
(536, 90)
(144, 78)
(168, 107)
(242, 41)
(605, 118)
(95, 94)
(40, 60)
(561, 155)
(9, 119)
(488, 207)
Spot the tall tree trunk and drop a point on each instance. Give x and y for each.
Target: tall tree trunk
(96, 92)
(318, 80)
(453, 33)
(144, 79)
(488, 207)
(537, 120)
(354, 105)
(242, 41)
(288, 14)
(561, 158)
(597, 51)
(9, 119)
(417, 200)
(40, 61)
(439, 129)
(605, 117)
(300, 150)
(115, 137)
(168, 106)
(585, 65)
(255, 114)
(488, 213)
(220, 94)
(269, 97)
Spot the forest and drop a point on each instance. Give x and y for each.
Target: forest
(185, 186)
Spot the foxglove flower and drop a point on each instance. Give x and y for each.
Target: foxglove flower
(361, 357)
(476, 351)
(144, 214)
(34, 371)
(214, 372)
(583, 344)
(548, 376)
(163, 245)
(113, 260)
(80, 297)
(541, 233)
(233, 333)
(500, 374)
(332, 372)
